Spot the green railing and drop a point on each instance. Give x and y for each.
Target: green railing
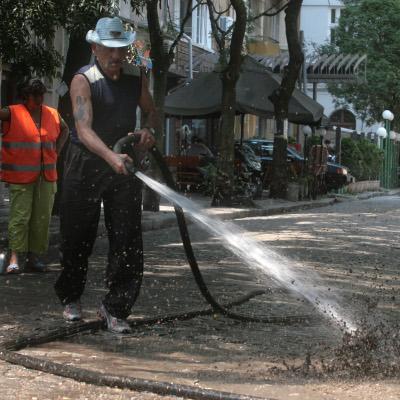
(390, 164)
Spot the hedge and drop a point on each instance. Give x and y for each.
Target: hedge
(362, 157)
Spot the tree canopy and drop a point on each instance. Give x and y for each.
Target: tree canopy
(371, 27)
(28, 26)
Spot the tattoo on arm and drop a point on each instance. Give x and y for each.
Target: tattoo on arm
(80, 110)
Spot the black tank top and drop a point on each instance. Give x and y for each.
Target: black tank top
(114, 103)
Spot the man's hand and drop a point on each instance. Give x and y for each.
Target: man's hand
(147, 140)
(117, 162)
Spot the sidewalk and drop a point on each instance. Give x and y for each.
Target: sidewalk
(166, 217)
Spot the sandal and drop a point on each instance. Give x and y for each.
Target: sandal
(34, 264)
(13, 269)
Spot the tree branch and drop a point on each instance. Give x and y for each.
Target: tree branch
(235, 53)
(281, 96)
(188, 14)
(267, 13)
(219, 34)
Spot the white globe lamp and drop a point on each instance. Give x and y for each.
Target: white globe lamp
(381, 132)
(388, 115)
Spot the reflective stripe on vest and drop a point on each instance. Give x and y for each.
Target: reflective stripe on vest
(27, 145)
(33, 168)
(26, 150)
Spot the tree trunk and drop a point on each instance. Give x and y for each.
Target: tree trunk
(78, 55)
(281, 96)
(229, 78)
(161, 64)
(151, 199)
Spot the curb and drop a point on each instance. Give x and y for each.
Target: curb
(170, 219)
(167, 219)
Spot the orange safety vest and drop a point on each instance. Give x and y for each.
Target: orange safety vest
(28, 150)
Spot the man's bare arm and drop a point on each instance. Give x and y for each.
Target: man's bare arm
(83, 116)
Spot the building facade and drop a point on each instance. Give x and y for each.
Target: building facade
(318, 21)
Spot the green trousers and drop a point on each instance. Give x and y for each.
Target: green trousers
(30, 212)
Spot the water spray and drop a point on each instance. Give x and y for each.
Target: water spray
(236, 241)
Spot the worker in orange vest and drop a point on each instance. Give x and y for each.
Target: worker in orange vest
(32, 137)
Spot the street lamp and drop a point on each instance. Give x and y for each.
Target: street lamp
(322, 134)
(381, 132)
(392, 159)
(388, 116)
(306, 132)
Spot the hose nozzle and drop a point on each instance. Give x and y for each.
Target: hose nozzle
(126, 145)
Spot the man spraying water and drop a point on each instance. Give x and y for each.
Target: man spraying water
(104, 101)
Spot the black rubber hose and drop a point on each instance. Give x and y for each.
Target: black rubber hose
(122, 382)
(69, 329)
(195, 268)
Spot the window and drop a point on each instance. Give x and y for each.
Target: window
(334, 19)
(267, 150)
(198, 27)
(275, 25)
(181, 15)
(343, 118)
(333, 16)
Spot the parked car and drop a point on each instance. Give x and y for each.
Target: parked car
(336, 174)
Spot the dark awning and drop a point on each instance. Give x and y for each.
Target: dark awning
(201, 97)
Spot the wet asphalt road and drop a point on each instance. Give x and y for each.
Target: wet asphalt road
(350, 250)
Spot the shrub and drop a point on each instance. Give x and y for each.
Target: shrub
(362, 157)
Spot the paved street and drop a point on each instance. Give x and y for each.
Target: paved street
(350, 249)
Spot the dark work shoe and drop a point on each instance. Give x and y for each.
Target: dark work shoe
(73, 311)
(115, 325)
(34, 264)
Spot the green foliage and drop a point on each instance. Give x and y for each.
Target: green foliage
(362, 157)
(372, 159)
(27, 30)
(313, 140)
(18, 47)
(370, 27)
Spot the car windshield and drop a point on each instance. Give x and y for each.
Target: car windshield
(262, 149)
(266, 149)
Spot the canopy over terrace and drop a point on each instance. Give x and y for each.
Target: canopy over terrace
(201, 97)
(323, 68)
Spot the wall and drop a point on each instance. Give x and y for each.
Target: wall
(315, 21)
